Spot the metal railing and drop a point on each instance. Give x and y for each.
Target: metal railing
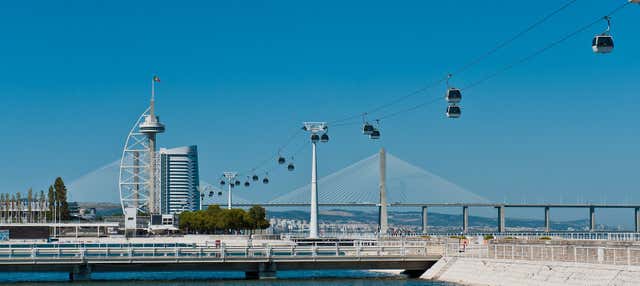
(611, 255)
(223, 253)
(613, 236)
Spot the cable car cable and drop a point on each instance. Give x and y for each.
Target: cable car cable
(467, 66)
(514, 64)
(544, 49)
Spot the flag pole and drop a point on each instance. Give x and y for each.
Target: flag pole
(153, 94)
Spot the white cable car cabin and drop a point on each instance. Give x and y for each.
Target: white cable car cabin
(602, 44)
(453, 111)
(453, 95)
(367, 129)
(375, 134)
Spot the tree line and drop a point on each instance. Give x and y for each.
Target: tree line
(36, 206)
(217, 220)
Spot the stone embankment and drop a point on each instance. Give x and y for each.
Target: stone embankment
(541, 263)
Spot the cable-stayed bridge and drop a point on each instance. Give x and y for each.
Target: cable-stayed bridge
(359, 185)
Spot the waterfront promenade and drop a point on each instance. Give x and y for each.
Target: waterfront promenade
(540, 262)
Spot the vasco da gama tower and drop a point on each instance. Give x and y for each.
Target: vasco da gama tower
(138, 181)
(149, 183)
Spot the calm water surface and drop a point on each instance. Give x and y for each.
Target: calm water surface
(285, 278)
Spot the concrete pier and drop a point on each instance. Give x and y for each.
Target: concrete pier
(384, 217)
(465, 219)
(80, 272)
(637, 219)
(547, 219)
(592, 218)
(425, 220)
(501, 220)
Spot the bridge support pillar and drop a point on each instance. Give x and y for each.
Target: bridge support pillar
(266, 270)
(465, 219)
(425, 225)
(547, 219)
(592, 218)
(637, 219)
(384, 217)
(80, 273)
(501, 225)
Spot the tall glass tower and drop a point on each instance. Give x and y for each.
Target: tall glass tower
(179, 180)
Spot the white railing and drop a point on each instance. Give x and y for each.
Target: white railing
(222, 253)
(614, 236)
(612, 255)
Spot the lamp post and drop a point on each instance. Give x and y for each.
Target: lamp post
(316, 128)
(230, 176)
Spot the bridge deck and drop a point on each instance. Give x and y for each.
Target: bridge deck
(410, 256)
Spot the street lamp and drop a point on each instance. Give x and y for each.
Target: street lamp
(231, 177)
(318, 133)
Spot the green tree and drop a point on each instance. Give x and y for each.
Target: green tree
(215, 220)
(51, 197)
(258, 217)
(61, 198)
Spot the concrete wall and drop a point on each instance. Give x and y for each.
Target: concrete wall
(478, 271)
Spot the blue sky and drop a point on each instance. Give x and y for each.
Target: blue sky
(239, 76)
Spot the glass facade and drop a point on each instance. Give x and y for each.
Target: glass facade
(179, 180)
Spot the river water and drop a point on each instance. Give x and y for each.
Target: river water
(285, 278)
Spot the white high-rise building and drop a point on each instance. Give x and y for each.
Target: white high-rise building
(179, 180)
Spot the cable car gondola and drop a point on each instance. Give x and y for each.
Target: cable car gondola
(219, 193)
(315, 138)
(453, 111)
(367, 129)
(211, 193)
(247, 184)
(265, 180)
(453, 95)
(255, 178)
(603, 43)
(375, 134)
(238, 182)
(222, 182)
(291, 167)
(281, 160)
(324, 138)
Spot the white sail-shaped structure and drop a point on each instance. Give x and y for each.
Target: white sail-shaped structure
(405, 183)
(133, 182)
